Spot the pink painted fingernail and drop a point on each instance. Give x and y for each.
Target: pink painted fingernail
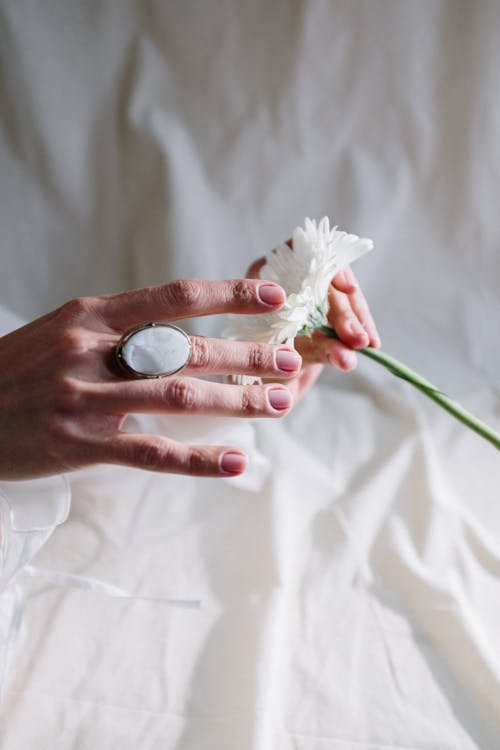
(233, 463)
(288, 360)
(279, 398)
(271, 294)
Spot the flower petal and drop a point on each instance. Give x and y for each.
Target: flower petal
(305, 273)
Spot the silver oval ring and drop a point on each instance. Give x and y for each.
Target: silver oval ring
(153, 350)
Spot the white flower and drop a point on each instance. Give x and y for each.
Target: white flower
(305, 273)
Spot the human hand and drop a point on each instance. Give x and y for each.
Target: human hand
(349, 315)
(63, 401)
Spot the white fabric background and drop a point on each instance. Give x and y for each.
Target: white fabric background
(349, 587)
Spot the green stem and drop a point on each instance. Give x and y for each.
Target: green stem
(401, 371)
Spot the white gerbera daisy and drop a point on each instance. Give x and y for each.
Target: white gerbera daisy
(305, 274)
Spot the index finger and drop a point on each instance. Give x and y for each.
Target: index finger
(345, 281)
(190, 298)
(350, 315)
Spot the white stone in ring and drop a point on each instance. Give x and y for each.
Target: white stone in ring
(154, 350)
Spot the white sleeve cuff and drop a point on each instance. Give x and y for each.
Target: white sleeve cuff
(29, 513)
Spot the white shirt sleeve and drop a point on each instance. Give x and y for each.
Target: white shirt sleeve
(29, 513)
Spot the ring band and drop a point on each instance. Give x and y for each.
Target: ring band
(153, 350)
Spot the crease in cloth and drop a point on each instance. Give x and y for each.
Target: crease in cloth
(88, 583)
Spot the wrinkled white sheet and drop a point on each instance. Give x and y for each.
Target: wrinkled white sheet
(344, 594)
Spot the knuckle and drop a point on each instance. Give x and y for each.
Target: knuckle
(248, 401)
(78, 308)
(183, 292)
(243, 292)
(198, 462)
(257, 359)
(181, 394)
(201, 354)
(71, 397)
(73, 344)
(151, 453)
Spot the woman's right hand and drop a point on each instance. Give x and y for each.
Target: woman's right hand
(63, 401)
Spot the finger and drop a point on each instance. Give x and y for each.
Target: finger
(319, 349)
(345, 281)
(344, 320)
(156, 453)
(360, 308)
(188, 298)
(222, 357)
(184, 395)
(339, 355)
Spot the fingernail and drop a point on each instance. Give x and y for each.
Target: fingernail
(279, 398)
(233, 463)
(271, 294)
(287, 360)
(377, 343)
